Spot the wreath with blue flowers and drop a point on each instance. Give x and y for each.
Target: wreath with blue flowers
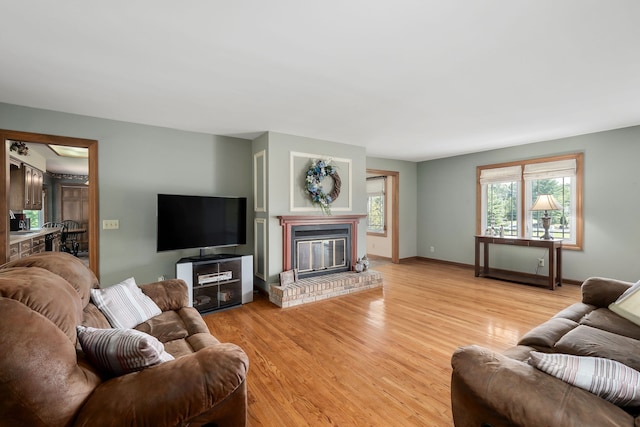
(317, 172)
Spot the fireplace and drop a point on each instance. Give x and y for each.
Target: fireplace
(318, 245)
(322, 249)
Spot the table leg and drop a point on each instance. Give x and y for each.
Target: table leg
(485, 267)
(552, 268)
(477, 258)
(559, 261)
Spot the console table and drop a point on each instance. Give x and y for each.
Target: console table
(554, 247)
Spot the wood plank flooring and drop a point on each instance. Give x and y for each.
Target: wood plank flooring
(378, 357)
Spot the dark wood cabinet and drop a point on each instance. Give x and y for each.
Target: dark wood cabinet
(25, 187)
(74, 206)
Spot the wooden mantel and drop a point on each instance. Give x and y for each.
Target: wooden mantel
(289, 221)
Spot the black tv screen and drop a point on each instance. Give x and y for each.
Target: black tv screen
(196, 222)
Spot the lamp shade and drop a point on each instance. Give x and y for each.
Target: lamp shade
(546, 202)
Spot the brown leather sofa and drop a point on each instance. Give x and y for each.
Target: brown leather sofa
(492, 389)
(46, 380)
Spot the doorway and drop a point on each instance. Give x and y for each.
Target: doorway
(393, 206)
(92, 187)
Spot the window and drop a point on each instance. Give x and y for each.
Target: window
(376, 205)
(506, 193)
(35, 217)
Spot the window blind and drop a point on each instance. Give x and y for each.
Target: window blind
(376, 185)
(506, 174)
(549, 170)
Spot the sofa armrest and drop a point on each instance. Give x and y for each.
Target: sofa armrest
(168, 294)
(172, 393)
(601, 292)
(492, 389)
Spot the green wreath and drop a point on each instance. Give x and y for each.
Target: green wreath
(316, 173)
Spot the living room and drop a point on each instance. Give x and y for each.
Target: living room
(139, 158)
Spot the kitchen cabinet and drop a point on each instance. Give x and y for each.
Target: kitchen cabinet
(26, 243)
(25, 187)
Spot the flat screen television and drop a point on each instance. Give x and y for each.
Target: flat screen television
(199, 222)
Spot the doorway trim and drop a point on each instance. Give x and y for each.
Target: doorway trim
(38, 138)
(395, 211)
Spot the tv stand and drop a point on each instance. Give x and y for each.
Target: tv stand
(210, 257)
(218, 281)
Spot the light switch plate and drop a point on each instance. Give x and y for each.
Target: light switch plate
(110, 224)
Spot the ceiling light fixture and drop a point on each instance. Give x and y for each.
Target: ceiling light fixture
(69, 151)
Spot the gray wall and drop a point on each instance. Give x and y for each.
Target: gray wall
(408, 236)
(437, 197)
(279, 148)
(447, 200)
(135, 163)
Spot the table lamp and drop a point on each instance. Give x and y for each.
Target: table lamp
(546, 203)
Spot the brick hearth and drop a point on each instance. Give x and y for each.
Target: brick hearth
(322, 287)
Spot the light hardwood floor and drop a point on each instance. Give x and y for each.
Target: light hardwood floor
(378, 357)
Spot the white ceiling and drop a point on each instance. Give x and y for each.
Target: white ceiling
(59, 164)
(412, 80)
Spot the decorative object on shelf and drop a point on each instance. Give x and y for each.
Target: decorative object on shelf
(20, 148)
(546, 203)
(365, 263)
(317, 172)
(359, 267)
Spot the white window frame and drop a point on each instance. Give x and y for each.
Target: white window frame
(499, 175)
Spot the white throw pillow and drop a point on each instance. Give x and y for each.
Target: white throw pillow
(611, 380)
(628, 304)
(124, 305)
(120, 351)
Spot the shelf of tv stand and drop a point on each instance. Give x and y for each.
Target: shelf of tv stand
(208, 285)
(217, 295)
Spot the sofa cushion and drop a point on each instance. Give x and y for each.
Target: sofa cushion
(167, 326)
(119, 351)
(575, 311)
(548, 333)
(607, 320)
(628, 304)
(92, 316)
(611, 380)
(124, 304)
(41, 382)
(65, 265)
(588, 341)
(46, 293)
(601, 292)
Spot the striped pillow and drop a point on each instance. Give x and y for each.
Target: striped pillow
(124, 305)
(120, 351)
(611, 380)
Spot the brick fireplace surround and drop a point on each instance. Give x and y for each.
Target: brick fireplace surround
(320, 287)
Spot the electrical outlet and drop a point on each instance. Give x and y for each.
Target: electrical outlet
(540, 262)
(110, 224)
(432, 249)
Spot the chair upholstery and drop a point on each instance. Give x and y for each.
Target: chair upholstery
(45, 379)
(493, 389)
